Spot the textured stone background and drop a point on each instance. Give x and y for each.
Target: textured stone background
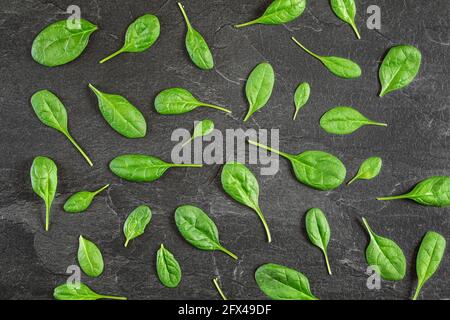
(413, 147)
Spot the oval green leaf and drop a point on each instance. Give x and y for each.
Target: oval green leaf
(368, 170)
(241, 185)
(399, 68)
(168, 268)
(386, 256)
(178, 101)
(198, 229)
(319, 232)
(90, 258)
(140, 36)
(259, 87)
(283, 283)
(434, 192)
(136, 223)
(346, 11)
(345, 120)
(279, 12)
(301, 97)
(80, 201)
(62, 42)
(201, 129)
(79, 291)
(44, 180)
(51, 111)
(121, 115)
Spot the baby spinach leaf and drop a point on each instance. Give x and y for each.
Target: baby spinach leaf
(301, 97)
(50, 110)
(80, 292)
(283, 283)
(386, 256)
(168, 269)
(318, 231)
(80, 201)
(429, 258)
(259, 87)
(90, 258)
(434, 192)
(142, 168)
(369, 169)
(219, 289)
(345, 120)
(140, 36)
(340, 67)
(240, 184)
(136, 223)
(179, 101)
(346, 11)
(201, 129)
(44, 180)
(399, 68)
(58, 44)
(196, 45)
(279, 12)
(198, 229)
(121, 115)
(317, 169)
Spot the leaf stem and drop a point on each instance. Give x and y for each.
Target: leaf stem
(187, 142)
(186, 165)
(75, 144)
(215, 107)
(188, 23)
(367, 227)
(353, 180)
(327, 262)
(373, 123)
(216, 284)
(47, 215)
(246, 24)
(306, 49)
(296, 113)
(114, 297)
(402, 196)
(113, 55)
(269, 149)
(225, 250)
(266, 227)
(353, 25)
(126, 243)
(101, 189)
(416, 294)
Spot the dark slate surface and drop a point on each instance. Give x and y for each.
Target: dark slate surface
(413, 147)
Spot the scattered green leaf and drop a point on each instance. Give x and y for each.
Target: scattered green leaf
(201, 129)
(168, 269)
(259, 87)
(301, 97)
(79, 292)
(80, 201)
(368, 170)
(318, 231)
(90, 258)
(136, 223)
(346, 11)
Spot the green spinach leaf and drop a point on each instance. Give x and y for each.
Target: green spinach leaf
(340, 67)
(136, 223)
(279, 12)
(283, 283)
(386, 256)
(140, 36)
(399, 68)
(51, 111)
(198, 229)
(80, 201)
(196, 45)
(44, 180)
(121, 115)
(90, 258)
(168, 268)
(59, 44)
(259, 87)
(434, 192)
(318, 231)
(219, 289)
(80, 292)
(429, 258)
(345, 120)
(368, 170)
(317, 169)
(201, 129)
(142, 168)
(301, 97)
(240, 184)
(346, 11)
(179, 101)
